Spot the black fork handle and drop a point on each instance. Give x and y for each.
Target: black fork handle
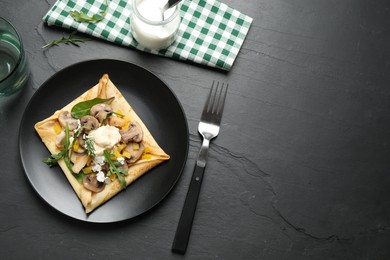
(183, 230)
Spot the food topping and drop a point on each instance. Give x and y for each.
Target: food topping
(89, 123)
(97, 144)
(100, 111)
(91, 183)
(134, 151)
(105, 137)
(65, 118)
(100, 176)
(117, 121)
(133, 134)
(79, 161)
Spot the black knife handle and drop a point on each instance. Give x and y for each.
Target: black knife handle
(183, 230)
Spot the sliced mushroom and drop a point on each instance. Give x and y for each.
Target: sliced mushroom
(100, 111)
(64, 117)
(91, 183)
(81, 141)
(89, 123)
(79, 160)
(133, 134)
(135, 150)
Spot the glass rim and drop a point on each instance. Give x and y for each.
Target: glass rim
(21, 52)
(145, 20)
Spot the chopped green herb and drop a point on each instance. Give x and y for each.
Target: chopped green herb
(118, 171)
(64, 153)
(66, 148)
(54, 158)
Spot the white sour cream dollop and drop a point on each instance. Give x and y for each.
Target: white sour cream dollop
(105, 137)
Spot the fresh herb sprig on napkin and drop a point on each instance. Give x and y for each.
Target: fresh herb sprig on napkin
(83, 17)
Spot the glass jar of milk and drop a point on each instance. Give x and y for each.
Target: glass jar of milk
(151, 27)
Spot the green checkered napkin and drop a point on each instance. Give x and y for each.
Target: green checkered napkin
(211, 33)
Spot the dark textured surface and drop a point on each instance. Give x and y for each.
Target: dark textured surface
(300, 170)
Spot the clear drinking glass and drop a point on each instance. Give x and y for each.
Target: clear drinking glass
(152, 28)
(14, 70)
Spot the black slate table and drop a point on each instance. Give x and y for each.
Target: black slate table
(300, 170)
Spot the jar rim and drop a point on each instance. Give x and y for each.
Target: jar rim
(145, 20)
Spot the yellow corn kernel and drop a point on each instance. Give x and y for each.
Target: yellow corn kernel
(57, 128)
(135, 146)
(112, 177)
(147, 149)
(119, 112)
(121, 147)
(76, 146)
(126, 154)
(87, 170)
(146, 156)
(117, 154)
(127, 124)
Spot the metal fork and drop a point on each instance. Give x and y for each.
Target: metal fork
(209, 125)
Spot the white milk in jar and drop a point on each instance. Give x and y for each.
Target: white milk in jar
(152, 28)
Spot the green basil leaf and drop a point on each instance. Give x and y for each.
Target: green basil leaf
(83, 108)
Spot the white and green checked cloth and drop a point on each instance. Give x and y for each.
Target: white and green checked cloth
(211, 33)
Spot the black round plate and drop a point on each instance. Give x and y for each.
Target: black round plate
(152, 100)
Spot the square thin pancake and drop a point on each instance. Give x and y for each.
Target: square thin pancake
(104, 89)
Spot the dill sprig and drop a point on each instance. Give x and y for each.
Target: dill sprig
(89, 145)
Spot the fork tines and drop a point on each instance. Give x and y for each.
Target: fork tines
(216, 100)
